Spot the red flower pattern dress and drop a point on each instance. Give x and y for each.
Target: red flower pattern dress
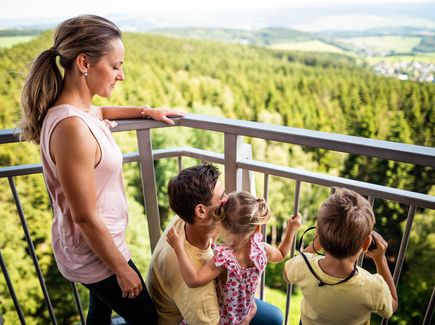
(236, 295)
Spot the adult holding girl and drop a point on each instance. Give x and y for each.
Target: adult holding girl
(82, 164)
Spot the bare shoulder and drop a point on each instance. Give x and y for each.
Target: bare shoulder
(72, 136)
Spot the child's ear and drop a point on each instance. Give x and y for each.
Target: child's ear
(257, 228)
(366, 244)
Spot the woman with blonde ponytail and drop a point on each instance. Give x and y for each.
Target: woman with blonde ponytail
(240, 260)
(82, 164)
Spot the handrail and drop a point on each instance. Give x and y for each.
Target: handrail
(382, 192)
(235, 159)
(418, 155)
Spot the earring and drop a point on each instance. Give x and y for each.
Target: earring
(85, 74)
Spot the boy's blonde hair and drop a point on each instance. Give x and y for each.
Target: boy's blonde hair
(344, 222)
(239, 214)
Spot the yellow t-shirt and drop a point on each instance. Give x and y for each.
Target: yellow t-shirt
(348, 303)
(173, 299)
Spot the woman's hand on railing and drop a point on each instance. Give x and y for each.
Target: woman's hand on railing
(162, 114)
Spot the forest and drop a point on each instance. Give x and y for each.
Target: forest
(318, 91)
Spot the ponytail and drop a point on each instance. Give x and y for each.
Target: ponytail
(87, 34)
(41, 89)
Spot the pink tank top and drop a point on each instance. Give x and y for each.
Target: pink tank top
(75, 258)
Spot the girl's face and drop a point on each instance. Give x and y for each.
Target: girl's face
(103, 75)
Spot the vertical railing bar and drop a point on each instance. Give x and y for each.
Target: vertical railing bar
(11, 290)
(78, 302)
(430, 308)
(180, 163)
(264, 232)
(231, 147)
(402, 249)
(404, 244)
(32, 249)
(149, 187)
(292, 252)
(360, 261)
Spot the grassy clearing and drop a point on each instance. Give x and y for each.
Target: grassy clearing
(398, 44)
(9, 41)
(426, 57)
(311, 46)
(278, 298)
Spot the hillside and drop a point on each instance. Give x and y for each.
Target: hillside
(326, 92)
(260, 37)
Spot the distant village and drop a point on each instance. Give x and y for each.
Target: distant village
(410, 70)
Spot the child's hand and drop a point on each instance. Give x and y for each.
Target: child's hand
(381, 247)
(294, 223)
(174, 239)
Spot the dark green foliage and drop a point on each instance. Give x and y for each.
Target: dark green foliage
(315, 91)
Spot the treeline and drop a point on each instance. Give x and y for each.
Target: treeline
(263, 36)
(323, 92)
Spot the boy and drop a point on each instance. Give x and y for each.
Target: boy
(335, 290)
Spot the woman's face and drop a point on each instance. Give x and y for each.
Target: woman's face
(103, 75)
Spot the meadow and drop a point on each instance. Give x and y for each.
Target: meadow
(9, 41)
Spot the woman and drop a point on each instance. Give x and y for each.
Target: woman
(83, 165)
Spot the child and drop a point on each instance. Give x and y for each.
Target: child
(335, 290)
(237, 264)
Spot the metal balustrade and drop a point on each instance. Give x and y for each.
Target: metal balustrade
(239, 168)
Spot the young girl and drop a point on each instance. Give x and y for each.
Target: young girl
(238, 263)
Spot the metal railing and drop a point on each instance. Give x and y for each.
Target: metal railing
(239, 167)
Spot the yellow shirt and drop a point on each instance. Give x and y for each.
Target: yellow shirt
(348, 303)
(173, 299)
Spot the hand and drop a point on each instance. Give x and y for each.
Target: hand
(161, 114)
(381, 247)
(294, 223)
(129, 283)
(174, 239)
(251, 314)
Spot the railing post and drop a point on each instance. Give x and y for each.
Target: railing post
(232, 152)
(402, 249)
(292, 252)
(149, 186)
(248, 181)
(430, 307)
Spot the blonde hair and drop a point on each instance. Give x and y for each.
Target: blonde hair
(88, 34)
(344, 222)
(240, 214)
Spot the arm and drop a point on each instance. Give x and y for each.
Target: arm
(75, 151)
(126, 112)
(280, 253)
(194, 278)
(378, 255)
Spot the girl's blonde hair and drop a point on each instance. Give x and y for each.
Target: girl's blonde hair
(88, 34)
(239, 215)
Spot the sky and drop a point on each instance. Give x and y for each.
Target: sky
(221, 13)
(49, 8)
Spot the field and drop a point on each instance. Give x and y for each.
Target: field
(426, 57)
(382, 44)
(310, 46)
(9, 41)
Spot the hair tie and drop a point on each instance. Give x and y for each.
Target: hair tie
(223, 201)
(54, 51)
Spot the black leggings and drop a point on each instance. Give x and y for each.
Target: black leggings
(106, 296)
